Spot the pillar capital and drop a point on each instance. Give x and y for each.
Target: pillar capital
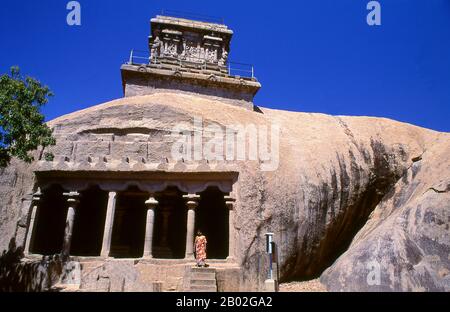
(112, 194)
(191, 200)
(73, 198)
(151, 203)
(229, 202)
(35, 197)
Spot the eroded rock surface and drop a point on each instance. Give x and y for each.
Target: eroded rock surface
(407, 236)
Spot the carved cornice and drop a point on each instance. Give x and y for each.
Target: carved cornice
(148, 182)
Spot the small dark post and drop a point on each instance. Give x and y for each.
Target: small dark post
(270, 283)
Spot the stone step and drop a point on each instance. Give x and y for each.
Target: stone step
(202, 279)
(202, 275)
(205, 282)
(203, 270)
(203, 288)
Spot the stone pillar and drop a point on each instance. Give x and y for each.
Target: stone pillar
(109, 223)
(229, 203)
(31, 227)
(151, 204)
(72, 201)
(192, 203)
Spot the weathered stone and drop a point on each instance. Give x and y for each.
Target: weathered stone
(407, 237)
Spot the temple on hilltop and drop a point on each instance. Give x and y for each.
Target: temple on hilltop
(190, 56)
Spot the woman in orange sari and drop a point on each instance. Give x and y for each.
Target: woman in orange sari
(200, 249)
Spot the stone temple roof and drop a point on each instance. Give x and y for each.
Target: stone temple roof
(183, 22)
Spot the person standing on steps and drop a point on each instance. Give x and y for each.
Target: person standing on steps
(200, 249)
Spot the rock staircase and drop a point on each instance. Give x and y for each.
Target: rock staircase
(202, 280)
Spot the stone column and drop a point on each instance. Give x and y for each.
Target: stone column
(192, 203)
(73, 202)
(229, 202)
(151, 204)
(109, 223)
(31, 227)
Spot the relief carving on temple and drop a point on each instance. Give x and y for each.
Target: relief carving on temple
(210, 55)
(188, 46)
(155, 49)
(191, 51)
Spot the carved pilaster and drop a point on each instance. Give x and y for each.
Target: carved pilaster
(32, 226)
(229, 203)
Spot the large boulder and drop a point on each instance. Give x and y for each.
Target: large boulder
(405, 244)
(376, 185)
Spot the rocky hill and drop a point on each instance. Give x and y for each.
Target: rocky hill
(350, 195)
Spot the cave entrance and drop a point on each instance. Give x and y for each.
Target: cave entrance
(212, 219)
(50, 222)
(89, 223)
(129, 224)
(169, 239)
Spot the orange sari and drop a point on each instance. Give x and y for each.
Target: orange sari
(200, 249)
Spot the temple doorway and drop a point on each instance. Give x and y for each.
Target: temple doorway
(129, 224)
(169, 239)
(212, 219)
(89, 223)
(50, 221)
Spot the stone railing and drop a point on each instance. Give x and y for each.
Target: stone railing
(233, 69)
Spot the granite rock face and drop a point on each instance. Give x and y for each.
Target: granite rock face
(405, 245)
(347, 190)
(16, 181)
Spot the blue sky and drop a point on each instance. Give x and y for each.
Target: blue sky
(311, 56)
